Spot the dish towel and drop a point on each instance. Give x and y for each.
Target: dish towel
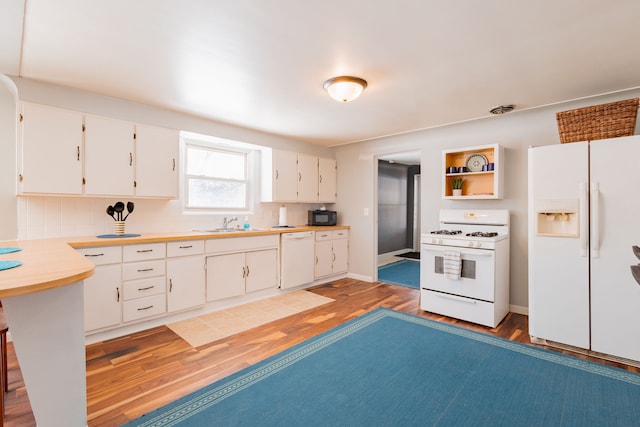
(452, 265)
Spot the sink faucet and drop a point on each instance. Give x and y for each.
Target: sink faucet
(227, 221)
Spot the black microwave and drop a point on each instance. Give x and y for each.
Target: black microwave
(322, 217)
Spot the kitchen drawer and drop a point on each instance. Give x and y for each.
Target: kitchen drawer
(324, 235)
(143, 269)
(468, 309)
(241, 244)
(144, 251)
(144, 307)
(340, 234)
(144, 287)
(189, 247)
(103, 255)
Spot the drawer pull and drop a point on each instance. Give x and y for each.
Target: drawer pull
(141, 270)
(170, 285)
(118, 294)
(141, 251)
(92, 255)
(186, 247)
(145, 308)
(146, 288)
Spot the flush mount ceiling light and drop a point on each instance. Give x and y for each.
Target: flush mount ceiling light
(501, 109)
(345, 88)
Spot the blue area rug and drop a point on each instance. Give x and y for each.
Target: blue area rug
(388, 368)
(404, 273)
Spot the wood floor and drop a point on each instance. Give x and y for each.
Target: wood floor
(132, 375)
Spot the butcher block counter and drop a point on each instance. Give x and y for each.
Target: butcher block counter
(43, 300)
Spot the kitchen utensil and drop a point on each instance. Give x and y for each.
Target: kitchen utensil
(129, 210)
(118, 208)
(110, 212)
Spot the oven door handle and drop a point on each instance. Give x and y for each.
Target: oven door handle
(480, 253)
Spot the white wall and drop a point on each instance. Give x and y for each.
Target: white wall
(515, 131)
(8, 208)
(50, 216)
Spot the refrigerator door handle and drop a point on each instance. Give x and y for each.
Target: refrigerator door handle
(595, 220)
(584, 220)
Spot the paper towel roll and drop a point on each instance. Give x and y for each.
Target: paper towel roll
(282, 217)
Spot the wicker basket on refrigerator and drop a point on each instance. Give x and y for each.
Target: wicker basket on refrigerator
(603, 121)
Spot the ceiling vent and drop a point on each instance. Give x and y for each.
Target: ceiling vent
(502, 109)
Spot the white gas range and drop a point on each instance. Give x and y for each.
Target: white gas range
(464, 266)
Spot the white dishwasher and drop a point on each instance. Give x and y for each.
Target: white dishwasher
(296, 258)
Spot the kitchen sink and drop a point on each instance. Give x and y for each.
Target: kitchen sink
(226, 230)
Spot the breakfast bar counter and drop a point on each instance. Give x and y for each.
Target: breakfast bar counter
(43, 303)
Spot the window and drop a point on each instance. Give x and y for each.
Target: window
(216, 177)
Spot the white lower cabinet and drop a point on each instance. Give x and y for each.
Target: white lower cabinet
(185, 275)
(239, 265)
(332, 252)
(225, 276)
(143, 270)
(103, 290)
(262, 270)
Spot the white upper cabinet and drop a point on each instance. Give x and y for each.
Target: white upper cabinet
(156, 161)
(294, 177)
(280, 176)
(109, 157)
(307, 178)
(69, 152)
(50, 150)
(327, 182)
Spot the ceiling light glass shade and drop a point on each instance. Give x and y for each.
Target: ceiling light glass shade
(345, 88)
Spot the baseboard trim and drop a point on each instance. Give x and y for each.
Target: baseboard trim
(518, 309)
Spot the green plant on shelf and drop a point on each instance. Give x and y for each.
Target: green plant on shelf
(456, 183)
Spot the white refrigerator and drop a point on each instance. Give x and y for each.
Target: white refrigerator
(584, 221)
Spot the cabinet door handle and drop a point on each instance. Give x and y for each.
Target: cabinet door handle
(316, 259)
(276, 173)
(248, 271)
(174, 165)
(144, 250)
(320, 179)
(130, 159)
(244, 272)
(117, 294)
(334, 256)
(170, 285)
(141, 270)
(186, 247)
(146, 288)
(93, 255)
(78, 153)
(145, 308)
(299, 176)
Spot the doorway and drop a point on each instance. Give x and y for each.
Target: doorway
(398, 207)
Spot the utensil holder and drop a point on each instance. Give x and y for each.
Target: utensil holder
(119, 228)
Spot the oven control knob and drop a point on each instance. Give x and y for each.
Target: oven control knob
(470, 244)
(434, 241)
(478, 244)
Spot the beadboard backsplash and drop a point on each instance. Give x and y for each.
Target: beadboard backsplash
(47, 217)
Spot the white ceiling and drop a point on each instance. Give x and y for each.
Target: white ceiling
(261, 64)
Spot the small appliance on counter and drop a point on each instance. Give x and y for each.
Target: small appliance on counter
(322, 217)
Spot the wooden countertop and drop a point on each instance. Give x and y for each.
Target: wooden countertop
(51, 263)
(46, 264)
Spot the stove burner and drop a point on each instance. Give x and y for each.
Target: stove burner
(482, 234)
(447, 232)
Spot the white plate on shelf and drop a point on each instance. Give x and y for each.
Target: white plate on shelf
(475, 162)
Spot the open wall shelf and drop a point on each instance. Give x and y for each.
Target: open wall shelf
(472, 164)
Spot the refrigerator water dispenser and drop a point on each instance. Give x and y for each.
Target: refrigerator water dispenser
(557, 217)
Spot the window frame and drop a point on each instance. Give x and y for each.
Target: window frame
(222, 146)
